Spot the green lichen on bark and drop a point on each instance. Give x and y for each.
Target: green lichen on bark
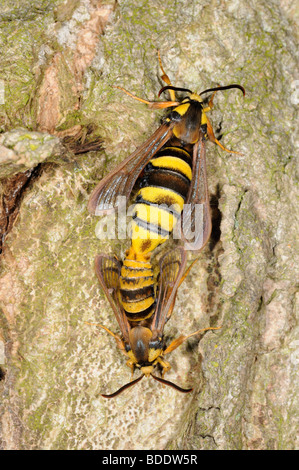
(24, 43)
(21, 150)
(57, 365)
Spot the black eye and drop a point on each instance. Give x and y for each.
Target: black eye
(156, 344)
(174, 116)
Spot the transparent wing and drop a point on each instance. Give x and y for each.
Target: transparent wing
(196, 222)
(120, 181)
(172, 267)
(108, 272)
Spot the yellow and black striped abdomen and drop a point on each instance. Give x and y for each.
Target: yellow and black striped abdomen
(158, 206)
(137, 289)
(159, 202)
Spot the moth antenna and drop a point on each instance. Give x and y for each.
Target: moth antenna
(170, 87)
(227, 87)
(171, 384)
(124, 387)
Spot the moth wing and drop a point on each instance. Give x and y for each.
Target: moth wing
(108, 271)
(172, 267)
(196, 224)
(121, 180)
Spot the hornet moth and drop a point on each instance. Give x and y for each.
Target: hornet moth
(171, 165)
(182, 135)
(143, 341)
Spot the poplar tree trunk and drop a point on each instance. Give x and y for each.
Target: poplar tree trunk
(58, 64)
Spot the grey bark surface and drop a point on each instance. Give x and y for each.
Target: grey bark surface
(58, 63)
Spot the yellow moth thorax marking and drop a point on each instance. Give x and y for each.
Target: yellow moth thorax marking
(132, 356)
(204, 119)
(196, 97)
(153, 354)
(182, 108)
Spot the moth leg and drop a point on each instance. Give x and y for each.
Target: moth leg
(188, 270)
(120, 343)
(166, 79)
(212, 138)
(151, 104)
(130, 364)
(165, 366)
(183, 278)
(181, 339)
(210, 103)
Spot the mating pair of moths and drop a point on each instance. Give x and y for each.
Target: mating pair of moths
(171, 166)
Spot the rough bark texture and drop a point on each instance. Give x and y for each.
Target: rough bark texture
(57, 68)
